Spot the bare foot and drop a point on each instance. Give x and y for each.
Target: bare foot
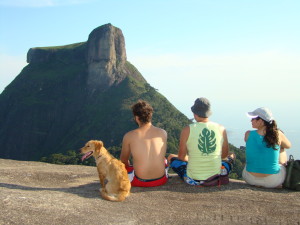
(230, 158)
(231, 155)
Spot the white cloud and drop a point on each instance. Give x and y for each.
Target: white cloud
(267, 60)
(10, 67)
(41, 3)
(263, 75)
(235, 83)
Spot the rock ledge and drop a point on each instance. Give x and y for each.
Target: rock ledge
(41, 193)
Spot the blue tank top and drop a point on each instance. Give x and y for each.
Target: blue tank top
(260, 158)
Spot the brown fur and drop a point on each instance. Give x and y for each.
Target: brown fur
(115, 185)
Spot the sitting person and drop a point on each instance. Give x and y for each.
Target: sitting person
(265, 151)
(202, 147)
(147, 145)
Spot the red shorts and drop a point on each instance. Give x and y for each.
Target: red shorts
(138, 182)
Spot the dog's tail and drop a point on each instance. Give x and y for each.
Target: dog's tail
(115, 198)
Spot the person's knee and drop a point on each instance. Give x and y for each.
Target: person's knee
(227, 166)
(170, 157)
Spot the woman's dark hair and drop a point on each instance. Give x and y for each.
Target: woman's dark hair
(271, 137)
(143, 111)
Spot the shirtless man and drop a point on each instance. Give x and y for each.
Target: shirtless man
(147, 145)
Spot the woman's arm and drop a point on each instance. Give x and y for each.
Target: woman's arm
(246, 135)
(284, 142)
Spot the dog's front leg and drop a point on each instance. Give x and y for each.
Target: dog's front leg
(101, 176)
(102, 180)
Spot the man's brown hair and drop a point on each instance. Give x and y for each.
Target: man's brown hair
(143, 110)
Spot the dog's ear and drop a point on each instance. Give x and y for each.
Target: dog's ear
(98, 145)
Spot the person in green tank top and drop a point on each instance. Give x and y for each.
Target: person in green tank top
(203, 145)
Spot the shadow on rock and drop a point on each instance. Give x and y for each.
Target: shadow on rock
(90, 190)
(175, 184)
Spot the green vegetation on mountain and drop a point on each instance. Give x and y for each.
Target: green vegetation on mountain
(70, 94)
(48, 104)
(74, 158)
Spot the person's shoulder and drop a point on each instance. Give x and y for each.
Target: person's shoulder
(247, 132)
(187, 127)
(130, 133)
(160, 130)
(221, 127)
(185, 131)
(281, 134)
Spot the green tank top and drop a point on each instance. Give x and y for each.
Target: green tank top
(204, 146)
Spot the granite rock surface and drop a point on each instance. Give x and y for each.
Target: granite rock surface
(41, 193)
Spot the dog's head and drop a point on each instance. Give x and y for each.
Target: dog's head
(91, 148)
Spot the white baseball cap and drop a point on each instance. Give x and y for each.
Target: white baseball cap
(263, 113)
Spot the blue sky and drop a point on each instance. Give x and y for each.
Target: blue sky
(239, 54)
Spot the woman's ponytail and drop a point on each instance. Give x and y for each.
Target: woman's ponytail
(272, 136)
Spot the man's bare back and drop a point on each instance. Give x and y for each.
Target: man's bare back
(147, 145)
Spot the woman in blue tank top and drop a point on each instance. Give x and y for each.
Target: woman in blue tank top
(265, 151)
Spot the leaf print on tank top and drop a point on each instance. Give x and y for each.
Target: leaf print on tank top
(207, 141)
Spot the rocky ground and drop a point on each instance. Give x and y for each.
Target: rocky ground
(41, 193)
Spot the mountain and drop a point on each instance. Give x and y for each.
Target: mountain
(70, 94)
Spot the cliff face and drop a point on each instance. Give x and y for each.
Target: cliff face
(104, 53)
(74, 53)
(106, 57)
(69, 94)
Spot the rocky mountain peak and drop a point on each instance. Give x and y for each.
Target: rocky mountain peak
(106, 43)
(104, 53)
(106, 57)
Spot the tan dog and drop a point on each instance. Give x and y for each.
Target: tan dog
(115, 185)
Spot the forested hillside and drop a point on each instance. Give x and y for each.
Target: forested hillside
(70, 94)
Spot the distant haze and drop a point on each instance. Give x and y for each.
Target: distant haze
(239, 54)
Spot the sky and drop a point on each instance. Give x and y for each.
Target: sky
(241, 55)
